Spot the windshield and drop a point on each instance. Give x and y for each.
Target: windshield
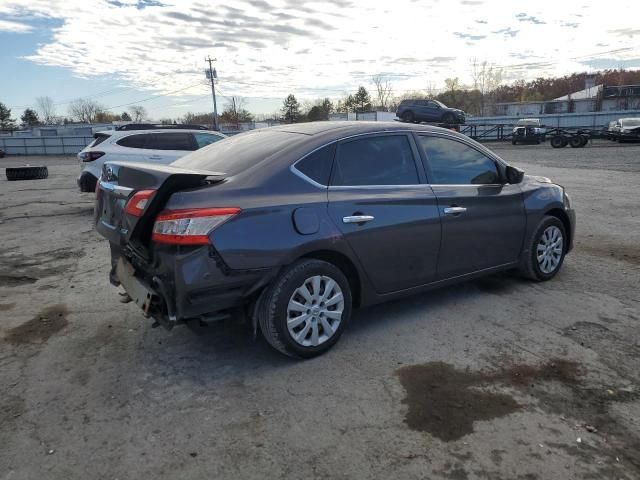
(238, 153)
(630, 122)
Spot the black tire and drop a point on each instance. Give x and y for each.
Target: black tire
(27, 173)
(1, 153)
(88, 183)
(576, 141)
(585, 140)
(530, 267)
(514, 142)
(408, 117)
(273, 303)
(558, 141)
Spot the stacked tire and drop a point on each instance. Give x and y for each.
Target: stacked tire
(27, 173)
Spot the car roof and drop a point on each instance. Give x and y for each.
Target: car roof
(340, 129)
(123, 133)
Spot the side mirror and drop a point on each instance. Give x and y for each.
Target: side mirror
(514, 175)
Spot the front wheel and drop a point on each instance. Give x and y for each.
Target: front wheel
(547, 248)
(304, 311)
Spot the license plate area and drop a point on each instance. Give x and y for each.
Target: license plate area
(139, 292)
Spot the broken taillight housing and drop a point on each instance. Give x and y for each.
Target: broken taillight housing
(190, 226)
(138, 202)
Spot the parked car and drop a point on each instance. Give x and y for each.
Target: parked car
(528, 130)
(612, 130)
(419, 110)
(299, 224)
(158, 145)
(628, 129)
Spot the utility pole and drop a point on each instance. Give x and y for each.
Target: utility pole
(212, 76)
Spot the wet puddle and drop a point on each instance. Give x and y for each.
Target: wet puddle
(38, 330)
(445, 402)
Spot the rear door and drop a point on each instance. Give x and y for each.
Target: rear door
(432, 111)
(388, 215)
(167, 147)
(483, 219)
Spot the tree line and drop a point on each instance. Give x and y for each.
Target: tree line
(82, 110)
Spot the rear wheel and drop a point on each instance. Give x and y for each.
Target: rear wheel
(558, 141)
(408, 117)
(304, 312)
(547, 248)
(576, 141)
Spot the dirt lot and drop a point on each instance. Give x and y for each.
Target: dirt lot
(494, 379)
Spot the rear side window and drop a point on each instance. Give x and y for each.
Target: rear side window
(135, 141)
(454, 163)
(99, 139)
(317, 165)
(204, 139)
(171, 141)
(383, 160)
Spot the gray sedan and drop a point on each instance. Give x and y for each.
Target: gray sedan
(297, 225)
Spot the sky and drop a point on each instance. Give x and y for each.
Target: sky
(152, 52)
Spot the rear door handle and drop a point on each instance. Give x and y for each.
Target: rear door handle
(357, 219)
(454, 210)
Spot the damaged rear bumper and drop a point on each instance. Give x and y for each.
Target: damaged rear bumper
(184, 283)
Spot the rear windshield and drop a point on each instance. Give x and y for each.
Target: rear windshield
(238, 153)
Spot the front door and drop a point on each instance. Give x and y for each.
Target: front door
(387, 214)
(483, 219)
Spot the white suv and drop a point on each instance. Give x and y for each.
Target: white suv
(156, 145)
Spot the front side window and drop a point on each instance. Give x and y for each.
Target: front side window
(204, 139)
(383, 160)
(454, 163)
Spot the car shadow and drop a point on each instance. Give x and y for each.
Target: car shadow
(227, 350)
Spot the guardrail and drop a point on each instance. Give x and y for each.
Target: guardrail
(64, 145)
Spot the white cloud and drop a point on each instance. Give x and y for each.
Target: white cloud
(323, 48)
(14, 27)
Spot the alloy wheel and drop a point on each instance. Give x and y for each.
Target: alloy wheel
(315, 311)
(550, 249)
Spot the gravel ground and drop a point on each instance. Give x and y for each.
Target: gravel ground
(493, 379)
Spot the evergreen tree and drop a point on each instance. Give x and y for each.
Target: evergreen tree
(6, 122)
(291, 109)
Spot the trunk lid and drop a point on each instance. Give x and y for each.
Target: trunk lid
(121, 180)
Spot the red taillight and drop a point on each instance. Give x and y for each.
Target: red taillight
(138, 202)
(190, 226)
(90, 156)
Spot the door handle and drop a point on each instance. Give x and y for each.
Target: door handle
(357, 219)
(454, 210)
(155, 157)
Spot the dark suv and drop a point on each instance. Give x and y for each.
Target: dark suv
(298, 224)
(429, 111)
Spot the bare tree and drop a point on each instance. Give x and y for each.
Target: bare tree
(486, 78)
(46, 109)
(384, 91)
(431, 90)
(84, 110)
(235, 112)
(138, 113)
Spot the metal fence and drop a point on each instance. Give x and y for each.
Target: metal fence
(561, 120)
(65, 145)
